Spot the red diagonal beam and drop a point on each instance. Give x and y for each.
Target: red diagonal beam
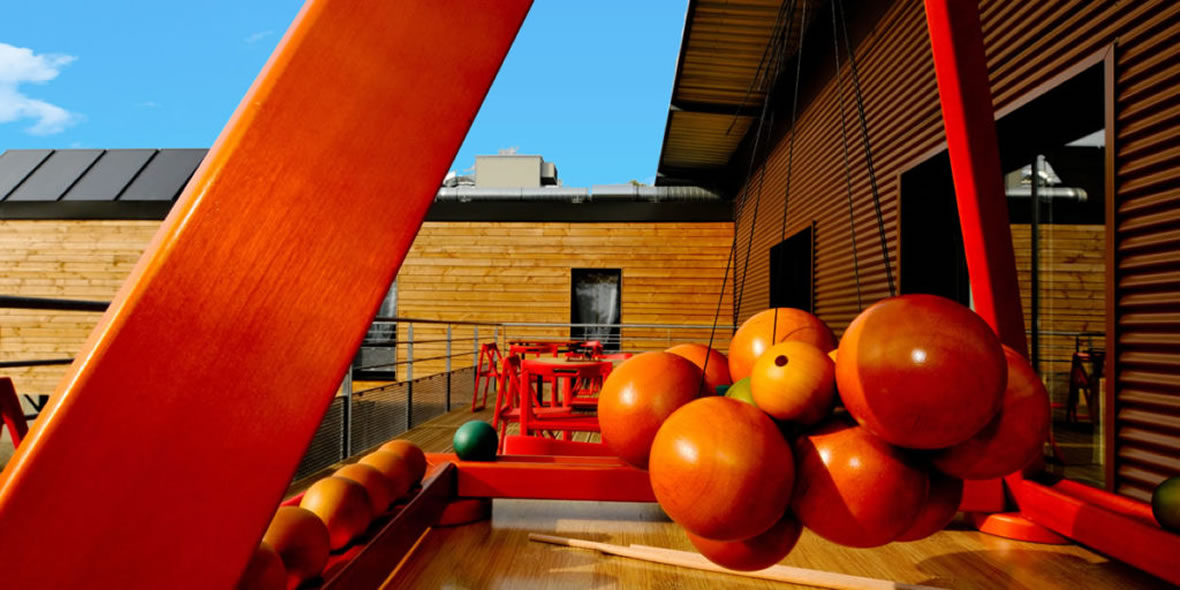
(172, 439)
(960, 66)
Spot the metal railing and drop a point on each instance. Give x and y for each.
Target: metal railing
(423, 369)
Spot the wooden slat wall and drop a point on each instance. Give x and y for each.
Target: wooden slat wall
(64, 259)
(1028, 44)
(1072, 293)
(520, 272)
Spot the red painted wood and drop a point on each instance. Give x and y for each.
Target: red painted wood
(516, 444)
(1091, 517)
(960, 66)
(982, 495)
(11, 412)
(1012, 525)
(374, 561)
(1120, 535)
(602, 479)
(170, 442)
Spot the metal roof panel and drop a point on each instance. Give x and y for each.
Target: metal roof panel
(55, 175)
(113, 171)
(164, 176)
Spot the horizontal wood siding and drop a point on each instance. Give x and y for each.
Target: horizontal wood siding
(63, 259)
(1072, 294)
(520, 272)
(1028, 44)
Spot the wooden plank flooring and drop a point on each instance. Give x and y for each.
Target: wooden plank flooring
(497, 553)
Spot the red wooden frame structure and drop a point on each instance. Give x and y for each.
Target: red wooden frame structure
(296, 198)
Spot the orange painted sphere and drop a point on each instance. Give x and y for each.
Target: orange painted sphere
(1014, 438)
(939, 509)
(301, 540)
(717, 371)
(788, 324)
(380, 489)
(921, 371)
(343, 505)
(721, 469)
(638, 395)
(757, 552)
(394, 467)
(854, 488)
(414, 457)
(265, 570)
(794, 381)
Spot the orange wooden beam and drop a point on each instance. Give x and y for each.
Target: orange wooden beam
(171, 440)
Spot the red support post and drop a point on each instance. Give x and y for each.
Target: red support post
(171, 440)
(960, 66)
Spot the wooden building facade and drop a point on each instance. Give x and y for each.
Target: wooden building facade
(1093, 88)
(64, 234)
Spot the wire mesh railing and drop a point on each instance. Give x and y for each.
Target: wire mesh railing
(409, 371)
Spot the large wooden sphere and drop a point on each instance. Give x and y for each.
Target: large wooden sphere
(721, 469)
(921, 371)
(638, 395)
(769, 327)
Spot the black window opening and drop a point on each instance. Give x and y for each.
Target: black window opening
(1052, 146)
(791, 268)
(596, 296)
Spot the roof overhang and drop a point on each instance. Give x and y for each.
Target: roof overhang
(722, 80)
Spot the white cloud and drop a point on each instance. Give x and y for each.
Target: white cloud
(260, 35)
(19, 65)
(148, 104)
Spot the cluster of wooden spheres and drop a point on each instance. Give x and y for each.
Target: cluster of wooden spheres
(333, 512)
(929, 398)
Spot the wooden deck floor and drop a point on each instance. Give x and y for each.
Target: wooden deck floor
(497, 553)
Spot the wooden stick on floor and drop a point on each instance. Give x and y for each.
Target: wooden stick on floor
(776, 573)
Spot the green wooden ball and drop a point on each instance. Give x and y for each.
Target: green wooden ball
(475, 441)
(1165, 503)
(741, 391)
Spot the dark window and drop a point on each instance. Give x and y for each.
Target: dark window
(1053, 145)
(931, 243)
(790, 271)
(596, 299)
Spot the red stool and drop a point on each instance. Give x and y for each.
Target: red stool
(489, 373)
(11, 413)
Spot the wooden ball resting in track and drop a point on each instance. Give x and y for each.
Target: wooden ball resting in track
(475, 440)
(301, 540)
(394, 467)
(413, 455)
(343, 505)
(265, 570)
(380, 489)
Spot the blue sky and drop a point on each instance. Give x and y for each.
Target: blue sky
(586, 85)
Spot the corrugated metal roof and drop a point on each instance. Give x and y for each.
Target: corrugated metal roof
(46, 176)
(721, 80)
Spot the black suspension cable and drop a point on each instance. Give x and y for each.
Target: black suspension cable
(864, 130)
(760, 73)
(773, 49)
(790, 152)
(779, 43)
(847, 168)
